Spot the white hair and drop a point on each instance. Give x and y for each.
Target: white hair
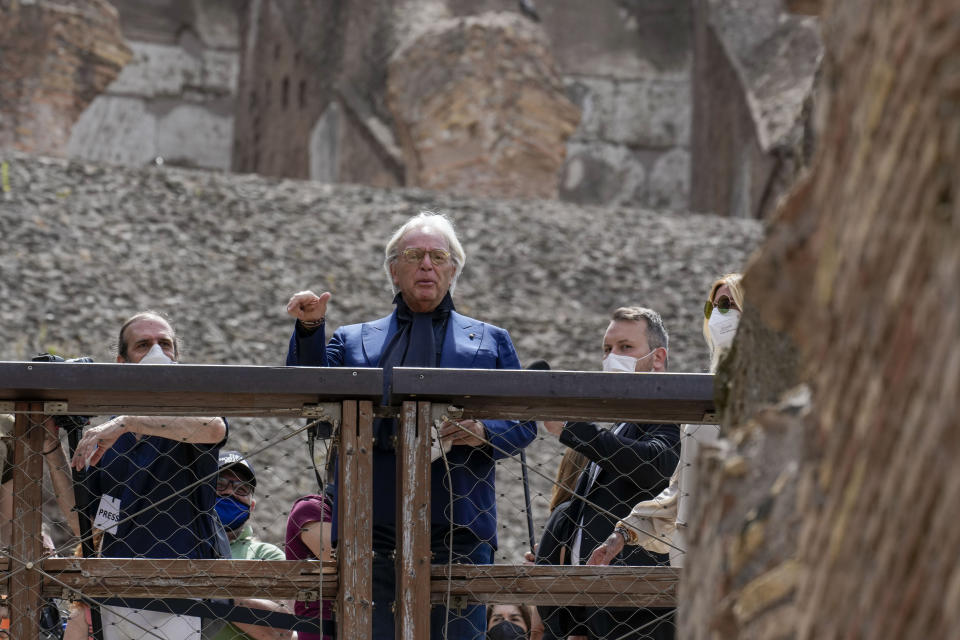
(426, 220)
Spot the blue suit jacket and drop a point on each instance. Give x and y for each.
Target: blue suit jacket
(467, 344)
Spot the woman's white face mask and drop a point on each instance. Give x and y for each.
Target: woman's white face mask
(614, 363)
(156, 356)
(723, 327)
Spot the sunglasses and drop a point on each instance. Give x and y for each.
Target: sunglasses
(723, 305)
(240, 488)
(413, 255)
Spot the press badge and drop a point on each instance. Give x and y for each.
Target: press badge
(108, 514)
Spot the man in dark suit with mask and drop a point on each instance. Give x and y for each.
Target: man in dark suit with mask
(629, 463)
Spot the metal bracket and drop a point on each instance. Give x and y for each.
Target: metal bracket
(709, 417)
(440, 414)
(458, 603)
(7, 407)
(55, 408)
(329, 411)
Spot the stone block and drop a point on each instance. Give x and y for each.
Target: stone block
(191, 135)
(325, 145)
(651, 112)
(216, 24)
(669, 184)
(167, 70)
(598, 173)
(479, 107)
(117, 130)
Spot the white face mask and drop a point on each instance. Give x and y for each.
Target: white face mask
(156, 356)
(627, 364)
(723, 327)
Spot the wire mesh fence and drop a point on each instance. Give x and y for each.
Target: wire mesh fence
(139, 539)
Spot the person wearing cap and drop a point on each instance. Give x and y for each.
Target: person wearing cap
(236, 484)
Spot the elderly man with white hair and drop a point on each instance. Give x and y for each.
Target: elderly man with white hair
(423, 260)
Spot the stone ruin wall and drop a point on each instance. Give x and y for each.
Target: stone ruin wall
(174, 100)
(56, 57)
(831, 512)
(698, 104)
(315, 107)
(754, 66)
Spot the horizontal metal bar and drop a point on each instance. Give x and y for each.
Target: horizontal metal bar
(561, 395)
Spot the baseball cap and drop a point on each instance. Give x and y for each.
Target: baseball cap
(239, 465)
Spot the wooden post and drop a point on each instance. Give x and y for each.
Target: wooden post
(413, 523)
(26, 544)
(355, 516)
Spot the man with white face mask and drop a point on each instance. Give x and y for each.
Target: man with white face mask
(665, 518)
(629, 463)
(152, 484)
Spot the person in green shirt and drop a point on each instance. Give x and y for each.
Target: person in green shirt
(236, 484)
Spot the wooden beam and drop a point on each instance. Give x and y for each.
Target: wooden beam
(110, 389)
(185, 389)
(557, 586)
(145, 578)
(278, 579)
(413, 522)
(562, 395)
(26, 546)
(355, 515)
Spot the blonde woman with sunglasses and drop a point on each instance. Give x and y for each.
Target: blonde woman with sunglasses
(721, 316)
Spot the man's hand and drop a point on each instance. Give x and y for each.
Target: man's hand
(307, 306)
(553, 426)
(606, 552)
(529, 557)
(469, 433)
(96, 441)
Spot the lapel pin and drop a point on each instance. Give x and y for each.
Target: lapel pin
(472, 336)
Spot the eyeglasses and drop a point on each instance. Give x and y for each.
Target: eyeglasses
(240, 488)
(414, 255)
(723, 305)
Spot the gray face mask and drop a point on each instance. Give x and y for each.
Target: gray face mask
(622, 364)
(156, 356)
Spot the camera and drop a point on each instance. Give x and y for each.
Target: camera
(65, 422)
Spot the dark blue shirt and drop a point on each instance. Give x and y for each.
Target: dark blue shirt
(160, 517)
